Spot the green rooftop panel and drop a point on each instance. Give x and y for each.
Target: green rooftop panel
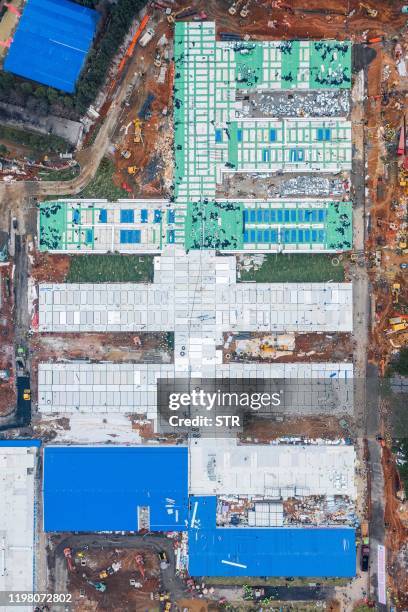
(330, 64)
(52, 225)
(290, 50)
(248, 65)
(214, 225)
(339, 226)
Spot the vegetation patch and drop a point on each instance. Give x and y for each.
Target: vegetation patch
(302, 268)
(37, 142)
(110, 268)
(102, 185)
(65, 174)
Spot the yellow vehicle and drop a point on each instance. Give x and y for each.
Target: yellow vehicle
(400, 326)
(172, 17)
(27, 394)
(132, 169)
(138, 131)
(103, 574)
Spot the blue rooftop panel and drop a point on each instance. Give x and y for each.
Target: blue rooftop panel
(279, 552)
(100, 488)
(51, 42)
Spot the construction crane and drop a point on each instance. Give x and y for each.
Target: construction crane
(130, 49)
(172, 17)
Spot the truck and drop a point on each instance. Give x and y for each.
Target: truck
(146, 38)
(365, 546)
(145, 112)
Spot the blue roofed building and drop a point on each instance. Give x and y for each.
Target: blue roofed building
(307, 552)
(115, 488)
(52, 40)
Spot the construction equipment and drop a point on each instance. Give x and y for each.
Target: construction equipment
(397, 327)
(201, 16)
(146, 38)
(396, 288)
(157, 60)
(68, 556)
(103, 574)
(125, 154)
(140, 565)
(145, 112)
(27, 395)
(234, 7)
(244, 12)
(173, 16)
(132, 170)
(99, 586)
(390, 224)
(402, 147)
(370, 11)
(138, 131)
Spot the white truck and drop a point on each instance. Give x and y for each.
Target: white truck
(146, 38)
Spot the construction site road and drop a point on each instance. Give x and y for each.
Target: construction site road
(58, 573)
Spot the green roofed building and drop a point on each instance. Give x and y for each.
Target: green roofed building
(127, 226)
(211, 139)
(293, 226)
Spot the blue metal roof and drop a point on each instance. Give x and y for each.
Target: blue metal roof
(51, 42)
(20, 442)
(310, 552)
(100, 488)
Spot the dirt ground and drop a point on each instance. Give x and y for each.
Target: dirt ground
(311, 427)
(312, 347)
(47, 268)
(119, 594)
(7, 390)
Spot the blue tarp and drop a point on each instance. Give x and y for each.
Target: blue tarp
(100, 488)
(310, 552)
(51, 42)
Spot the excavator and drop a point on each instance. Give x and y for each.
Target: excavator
(370, 11)
(138, 138)
(173, 16)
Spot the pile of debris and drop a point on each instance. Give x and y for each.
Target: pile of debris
(313, 186)
(333, 103)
